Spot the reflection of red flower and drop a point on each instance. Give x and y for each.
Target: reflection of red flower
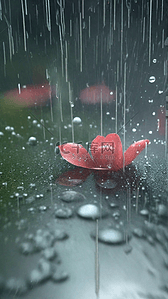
(73, 177)
(106, 152)
(108, 180)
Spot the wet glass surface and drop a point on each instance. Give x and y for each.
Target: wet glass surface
(72, 70)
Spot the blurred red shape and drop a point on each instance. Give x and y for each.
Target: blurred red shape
(93, 94)
(161, 121)
(29, 95)
(106, 153)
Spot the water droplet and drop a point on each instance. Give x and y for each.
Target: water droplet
(111, 236)
(59, 275)
(154, 60)
(162, 210)
(16, 194)
(36, 277)
(42, 273)
(63, 213)
(26, 248)
(42, 208)
(31, 210)
(32, 141)
(30, 199)
(9, 129)
(34, 122)
(144, 212)
(59, 234)
(49, 253)
(16, 285)
(127, 248)
(113, 205)
(77, 120)
(116, 214)
(138, 232)
(89, 211)
(43, 239)
(107, 184)
(134, 130)
(70, 196)
(166, 41)
(152, 79)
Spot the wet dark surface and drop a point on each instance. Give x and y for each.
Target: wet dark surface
(135, 213)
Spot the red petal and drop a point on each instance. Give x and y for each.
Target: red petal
(107, 152)
(73, 177)
(134, 150)
(77, 155)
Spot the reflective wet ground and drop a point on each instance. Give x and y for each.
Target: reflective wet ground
(51, 211)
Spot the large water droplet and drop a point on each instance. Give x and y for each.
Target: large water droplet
(111, 236)
(77, 120)
(70, 196)
(63, 213)
(152, 79)
(59, 275)
(89, 211)
(32, 141)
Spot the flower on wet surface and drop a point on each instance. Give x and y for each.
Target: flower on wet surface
(107, 153)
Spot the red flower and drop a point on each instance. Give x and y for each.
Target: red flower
(106, 153)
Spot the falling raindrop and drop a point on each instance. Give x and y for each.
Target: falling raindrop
(97, 266)
(0, 11)
(150, 31)
(24, 28)
(4, 58)
(81, 44)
